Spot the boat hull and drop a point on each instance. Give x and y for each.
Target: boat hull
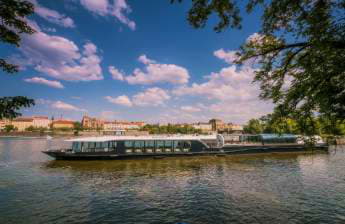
(226, 150)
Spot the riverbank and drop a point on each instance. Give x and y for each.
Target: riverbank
(57, 133)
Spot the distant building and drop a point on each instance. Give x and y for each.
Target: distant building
(3, 124)
(63, 124)
(122, 125)
(41, 122)
(204, 127)
(235, 127)
(22, 123)
(92, 123)
(217, 124)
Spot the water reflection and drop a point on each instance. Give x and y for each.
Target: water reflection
(287, 188)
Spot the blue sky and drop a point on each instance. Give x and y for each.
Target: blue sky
(130, 60)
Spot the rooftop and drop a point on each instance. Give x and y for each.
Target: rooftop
(149, 137)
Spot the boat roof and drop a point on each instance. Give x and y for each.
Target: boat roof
(148, 137)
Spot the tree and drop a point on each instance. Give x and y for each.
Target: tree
(299, 51)
(13, 23)
(9, 128)
(254, 126)
(10, 105)
(77, 126)
(30, 128)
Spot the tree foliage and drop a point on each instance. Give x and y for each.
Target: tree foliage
(9, 128)
(299, 52)
(10, 105)
(13, 24)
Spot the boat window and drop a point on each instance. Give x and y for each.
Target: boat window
(187, 144)
(160, 144)
(139, 144)
(98, 145)
(168, 144)
(91, 145)
(112, 145)
(105, 145)
(149, 144)
(76, 146)
(129, 144)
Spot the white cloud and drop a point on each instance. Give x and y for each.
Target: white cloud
(61, 58)
(43, 81)
(153, 73)
(120, 100)
(145, 60)
(119, 9)
(150, 97)
(190, 109)
(159, 73)
(65, 106)
(53, 16)
(115, 73)
(99, 7)
(228, 84)
(228, 56)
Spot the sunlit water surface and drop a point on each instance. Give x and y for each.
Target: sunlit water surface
(291, 188)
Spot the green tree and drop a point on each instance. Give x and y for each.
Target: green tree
(13, 24)
(9, 128)
(254, 126)
(10, 105)
(30, 128)
(77, 126)
(299, 51)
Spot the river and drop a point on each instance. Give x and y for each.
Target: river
(290, 188)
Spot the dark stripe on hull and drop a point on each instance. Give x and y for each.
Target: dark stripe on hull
(227, 150)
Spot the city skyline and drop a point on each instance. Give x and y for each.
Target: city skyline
(125, 61)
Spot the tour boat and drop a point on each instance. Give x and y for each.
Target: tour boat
(122, 147)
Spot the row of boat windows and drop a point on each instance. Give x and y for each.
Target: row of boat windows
(133, 146)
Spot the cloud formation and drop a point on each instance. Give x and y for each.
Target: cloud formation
(120, 100)
(115, 73)
(150, 97)
(190, 109)
(153, 73)
(119, 9)
(60, 57)
(43, 81)
(229, 83)
(53, 16)
(65, 106)
(228, 56)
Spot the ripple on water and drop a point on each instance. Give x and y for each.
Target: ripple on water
(262, 189)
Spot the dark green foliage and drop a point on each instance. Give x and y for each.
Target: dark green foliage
(9, 128)
(226, 10)
(77, 126)
(12, 15)
(10, 105)
(13, 23)
(254, 126)
(299, 53)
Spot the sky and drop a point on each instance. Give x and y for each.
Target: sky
(132, 60)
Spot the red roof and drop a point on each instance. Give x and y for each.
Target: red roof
(40, 117)
(23, 119)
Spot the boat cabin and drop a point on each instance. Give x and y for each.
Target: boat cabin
(140, 144)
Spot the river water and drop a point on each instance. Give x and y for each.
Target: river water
(293, 188)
